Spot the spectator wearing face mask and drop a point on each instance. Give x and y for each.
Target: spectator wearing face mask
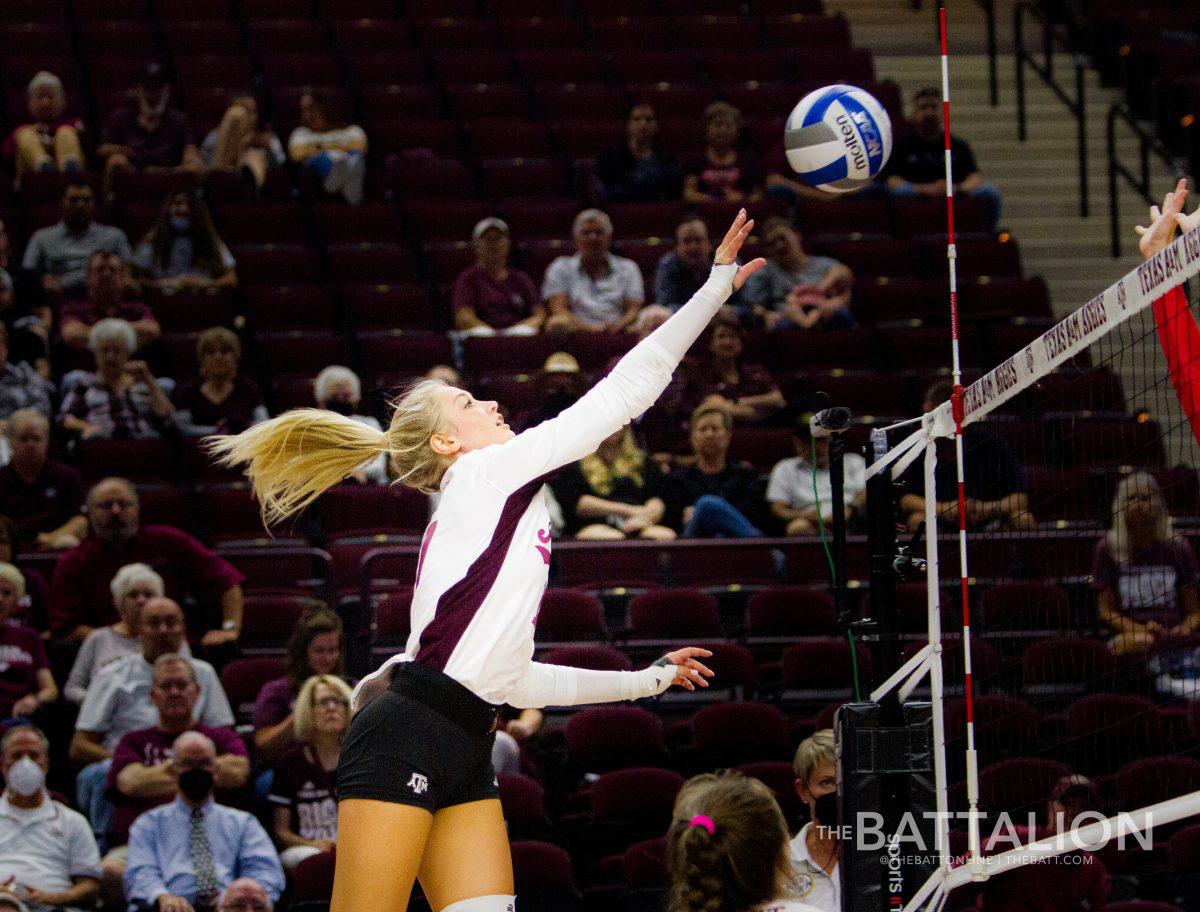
(182, 855)
(338, 389)
(45, 846)
(815, 849)
(183, 251)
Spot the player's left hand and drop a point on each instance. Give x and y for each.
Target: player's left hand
(688, 672)
(1164, 221)
(732, 243)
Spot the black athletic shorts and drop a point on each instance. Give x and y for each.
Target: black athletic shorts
(426, 742)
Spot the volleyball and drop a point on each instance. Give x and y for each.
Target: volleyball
(838, 138)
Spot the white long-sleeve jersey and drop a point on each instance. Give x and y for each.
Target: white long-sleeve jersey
(485, 555)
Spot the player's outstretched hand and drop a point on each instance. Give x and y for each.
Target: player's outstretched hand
(1164, 221)
(688, 672)
(728, 251)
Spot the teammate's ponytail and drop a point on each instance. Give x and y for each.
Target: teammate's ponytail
(291, 460)
(727, 845)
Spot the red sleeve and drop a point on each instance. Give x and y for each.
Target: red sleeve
(227, 741)
(204, 568)
(66, 593)
(464, 291)
(1180, 340)
(128, 751)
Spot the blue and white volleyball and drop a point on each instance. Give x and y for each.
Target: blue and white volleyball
(838, 138)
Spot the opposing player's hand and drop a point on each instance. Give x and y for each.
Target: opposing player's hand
(1164, 221)
(728, 251)
(690, 673)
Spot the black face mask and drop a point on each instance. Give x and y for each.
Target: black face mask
(341, 406)
(196, 784)
(827, 810)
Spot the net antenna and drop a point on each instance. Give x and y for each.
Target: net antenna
(1112, 318)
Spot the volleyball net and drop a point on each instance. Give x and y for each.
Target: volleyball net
(1054, 642)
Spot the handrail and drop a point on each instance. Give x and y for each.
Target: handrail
(1077, 106)
(1147, 143)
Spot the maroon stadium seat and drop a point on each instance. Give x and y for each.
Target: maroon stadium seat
(1028, 606)
(366, 262)
(870, 255)
(264, 264)
(635, 63)
(596, 658)
(1100, 441)
(301, 351)
(1107, 731)
(570, 615)
(169, 11)
(223, 69)
(312, 879)
(446, 219)
(609, 737)
(523, 802)
(716, 31)
(595, 350)
(206, 36)
(556, 67)
(644, 865)
(845, 348)
(230, 513)
(1019, 785)
(164, 504)
(541, 32)
(667, 614)
(824, 665)
(269, 619)
(412, 353)
(1067, 665)
(539, 217)
(505, 178)
(242, 679)
(288, 307)
(916, 215)
(348, 510)
(594, 100)
(674, 99)
(385, 65)
(457, 33)
(643, 795)
(798, 30)
(148, 459)
(186, 311)
(505, 353)
(509, 137)
(789, 611)
(382, 306)
(727, 734)
(541, 868)
(761, 447)
(1149, 780)
(393, 619)
(414, 176)
(832, 65)
(482, 99)
(360, 9)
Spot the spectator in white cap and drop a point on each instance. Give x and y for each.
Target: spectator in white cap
(491, 298)
(594, 290)
(338, 389)
(48, 141)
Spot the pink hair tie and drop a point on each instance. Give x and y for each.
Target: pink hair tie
(702, 820)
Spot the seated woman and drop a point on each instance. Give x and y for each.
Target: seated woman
(303, 788)
(1144, 574)
(326, 143)
(241, 144)
(132, 587)
(727, 848)
(222, 401)
(338, 389)
(613, 494)
(122, 400)
(722, 171)
(183, 252)
(47, 141)
(746, 390)
(26, 683)
(314, 648)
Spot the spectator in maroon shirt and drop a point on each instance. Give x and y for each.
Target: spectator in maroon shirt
(315, 648)
(80, 596)
(107, 283)
(149, 135)
(303, 790)
(491, 297)
(42, 495)
(48, 141)
(143, 776)
(723, 171)
(26, 684)
(723, 380)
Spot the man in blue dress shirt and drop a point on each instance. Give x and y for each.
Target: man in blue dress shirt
(183, 854)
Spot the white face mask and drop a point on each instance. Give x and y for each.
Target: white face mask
(25, 777)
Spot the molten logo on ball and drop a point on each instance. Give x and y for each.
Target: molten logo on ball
(838, 138)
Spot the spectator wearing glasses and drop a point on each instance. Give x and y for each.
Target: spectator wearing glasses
(144, 775)
(303, 791)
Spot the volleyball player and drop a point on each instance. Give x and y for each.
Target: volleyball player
(417, 794)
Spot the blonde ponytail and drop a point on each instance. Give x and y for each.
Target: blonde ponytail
(291, 460)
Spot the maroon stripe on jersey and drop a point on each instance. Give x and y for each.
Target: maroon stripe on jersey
(458, 604)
